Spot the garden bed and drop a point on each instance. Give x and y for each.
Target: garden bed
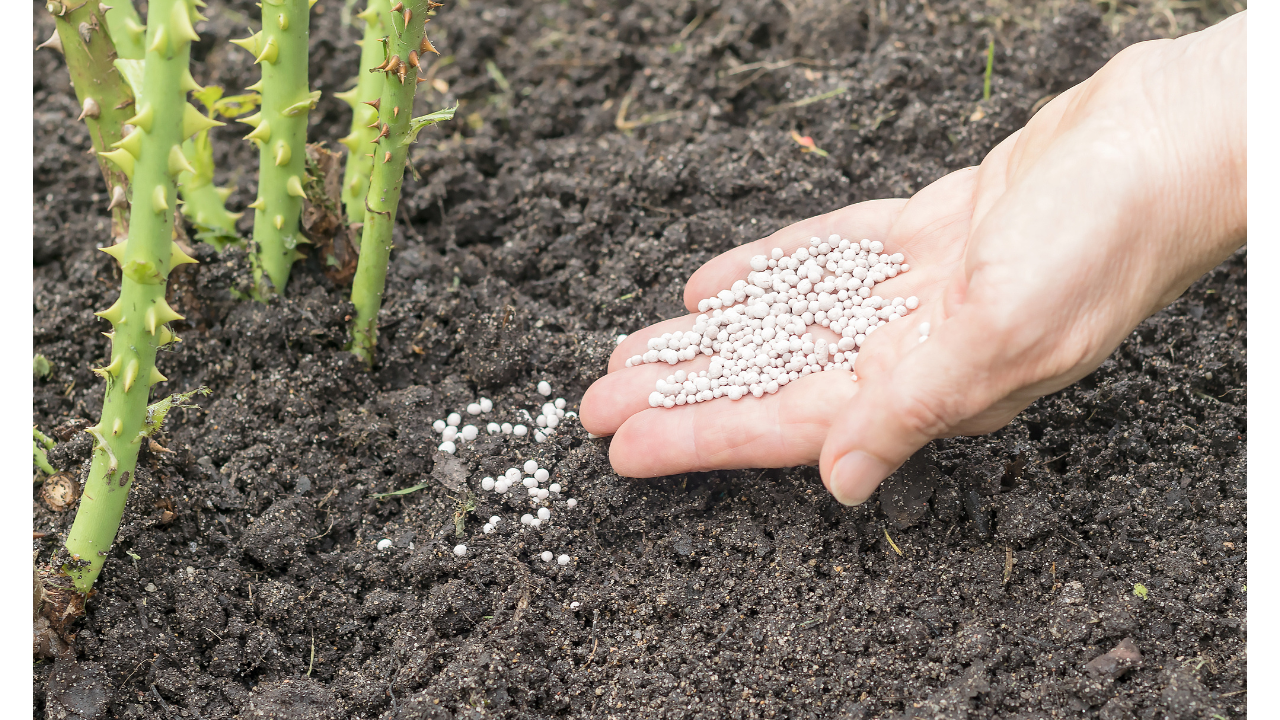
(600, 154)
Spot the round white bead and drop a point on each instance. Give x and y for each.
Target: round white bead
(448, 447)
(544, 514)
(571, 502)
(454, 418)
(460, 550)
(488, 484)
(439, 425)
(486, 405)
(384, 543)
(473, 409)
(563, 559)
(547, 556)
(544, 388)
(469, 432)
(519, 431)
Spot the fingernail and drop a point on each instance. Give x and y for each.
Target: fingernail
(855, 476)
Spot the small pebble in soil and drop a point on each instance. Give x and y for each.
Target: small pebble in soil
(572, 502)
(755, 331)
(473, 409)
(448, 447)
(575, 605)
(544, 514)
(520, 431)
(488, 528)
(555, 488)
(488, 484)
(563, 560)
(459, 550)
(544, 388)
(454, 418)
(547, 556)
(384, 543)
(495, 520)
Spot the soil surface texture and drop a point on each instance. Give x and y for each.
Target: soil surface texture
(1088, 561)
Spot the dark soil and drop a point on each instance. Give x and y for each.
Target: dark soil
(246, 582)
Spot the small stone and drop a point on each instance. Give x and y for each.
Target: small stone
(384, 543)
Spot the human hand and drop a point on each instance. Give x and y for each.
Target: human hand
(1030, 268)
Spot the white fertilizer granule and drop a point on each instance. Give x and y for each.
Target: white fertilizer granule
(755, 332)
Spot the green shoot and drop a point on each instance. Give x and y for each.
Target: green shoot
(104, 97)
(40, 443)
(986, 76)
(41, 366)
(280, 132)
(397, 131)
(363, 99)
(139, 319)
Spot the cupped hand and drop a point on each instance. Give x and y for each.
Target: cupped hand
(1030, 269)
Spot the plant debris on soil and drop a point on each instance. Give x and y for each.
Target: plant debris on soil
(994, 578)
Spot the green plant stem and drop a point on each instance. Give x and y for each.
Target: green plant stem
(986, 76)
(104, 97)
(139, 317)
(391, 149)
(39, 443)
(204, 204)
(364, 117)
(127, 30)
(280, 132)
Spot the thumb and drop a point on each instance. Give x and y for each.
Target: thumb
(934, 387)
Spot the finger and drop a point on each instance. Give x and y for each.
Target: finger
(617, 396)
(931, 389)
(637, 342)
(871, 219)
(779, 430)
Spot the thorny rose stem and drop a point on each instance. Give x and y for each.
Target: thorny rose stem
(126, 29)
(104, 97)
(364, 128)
(280, 131)
(152, 154)
(406, 43)
(204, 204)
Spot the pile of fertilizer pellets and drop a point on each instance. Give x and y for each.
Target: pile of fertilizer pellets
(755, 332)
(552, 414)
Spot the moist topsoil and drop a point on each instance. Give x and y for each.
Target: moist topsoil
(1086, 561)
